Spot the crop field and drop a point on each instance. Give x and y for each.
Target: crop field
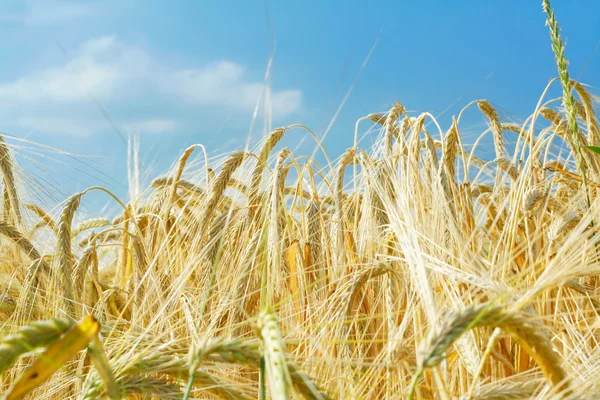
(411, 269)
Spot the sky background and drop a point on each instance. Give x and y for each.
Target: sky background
(73, 73)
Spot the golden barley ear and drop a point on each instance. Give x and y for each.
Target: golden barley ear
(218, 187)
(12, 233)
(492, 115)
(527, 334)
(90, 224)
(390, 130)
(46, 219)
(261, 163)
(12, 208)
(64, 252)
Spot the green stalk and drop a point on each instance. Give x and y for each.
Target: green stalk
(190, 384)
(262, 395)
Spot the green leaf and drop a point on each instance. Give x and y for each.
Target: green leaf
(594, 149)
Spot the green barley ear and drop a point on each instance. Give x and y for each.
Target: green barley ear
(278, 374)
(100, 360)
(558, 49)
(28, 338)
(569, 104)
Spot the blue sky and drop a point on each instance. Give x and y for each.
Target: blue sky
(192, 73)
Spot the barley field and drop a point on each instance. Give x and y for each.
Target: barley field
(411, 269)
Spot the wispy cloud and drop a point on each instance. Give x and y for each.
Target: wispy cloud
(120, 75)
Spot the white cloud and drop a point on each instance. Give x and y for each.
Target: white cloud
(122, 76)
(99, 68)
(62, 84)
(46, 12)
(222, 83)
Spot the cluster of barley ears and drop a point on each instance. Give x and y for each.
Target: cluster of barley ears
(423, 271)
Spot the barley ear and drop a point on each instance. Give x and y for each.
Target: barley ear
(491, 113)
(10, 190)
(218, 186)
(90, 224)
(45, 218)
(64, 253)
(261, 163)
(558, 49)
(12, 233)
(30, 337)
(278, 374)
(527, 334)
(390, 129)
